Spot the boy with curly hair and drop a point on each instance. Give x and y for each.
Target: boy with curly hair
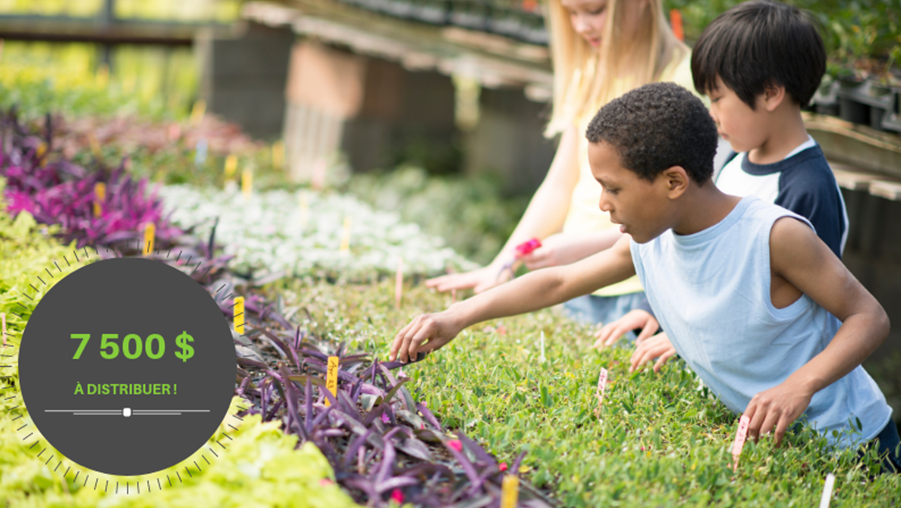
(754, 302)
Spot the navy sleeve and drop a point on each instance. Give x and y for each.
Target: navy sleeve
(809, 189)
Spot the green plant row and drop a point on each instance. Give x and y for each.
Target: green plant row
(657, 440)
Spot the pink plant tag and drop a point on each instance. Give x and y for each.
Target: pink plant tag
(740, 438)
(602, 387)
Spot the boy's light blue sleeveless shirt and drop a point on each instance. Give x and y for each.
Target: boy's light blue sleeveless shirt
(711, 293)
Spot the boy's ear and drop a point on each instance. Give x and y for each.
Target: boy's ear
(773, 96)
(676, 180)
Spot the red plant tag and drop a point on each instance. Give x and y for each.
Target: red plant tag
(527, 247)
(740, 438)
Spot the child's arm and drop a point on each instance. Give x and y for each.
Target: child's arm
(800, 261)
(530, 292)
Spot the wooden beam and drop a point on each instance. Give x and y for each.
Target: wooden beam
(890, 190)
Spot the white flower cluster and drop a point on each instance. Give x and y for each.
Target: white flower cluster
(302, 233)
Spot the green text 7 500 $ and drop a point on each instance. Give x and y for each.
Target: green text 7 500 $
(154, 346)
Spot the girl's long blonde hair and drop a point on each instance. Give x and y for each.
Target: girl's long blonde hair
(585, 80)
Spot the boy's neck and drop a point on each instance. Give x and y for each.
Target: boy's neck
(703, 206)
(785, 132)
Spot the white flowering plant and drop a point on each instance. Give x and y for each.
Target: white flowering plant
(308, 233)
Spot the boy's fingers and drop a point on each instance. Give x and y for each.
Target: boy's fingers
(601, 334)
(616, 334)
(398, 341)
(649, 329)
(424, 332)
(772, 417)
(781, 429)
(642, 355)
(407, 338)
(760, 413)
(663, 359)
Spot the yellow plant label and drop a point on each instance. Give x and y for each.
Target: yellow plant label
(99, 197)
(231, 165)
(510, 491)
(304, 209)
(103, 76)
(247, 183)
(239, 315)
(278, 154)
(197, 112)
(149, 237)
(331, 380)
(345, 237)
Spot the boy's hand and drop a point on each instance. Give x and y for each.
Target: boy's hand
(777, 407)
(438, 329)
(633, 320)
(658, 347)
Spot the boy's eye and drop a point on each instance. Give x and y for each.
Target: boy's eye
(597, 11)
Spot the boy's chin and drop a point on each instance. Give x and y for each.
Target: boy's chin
(642, 236)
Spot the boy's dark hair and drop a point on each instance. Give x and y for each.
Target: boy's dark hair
(658, 126)
(758, 44)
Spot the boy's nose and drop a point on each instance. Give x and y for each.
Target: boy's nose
(603, 204)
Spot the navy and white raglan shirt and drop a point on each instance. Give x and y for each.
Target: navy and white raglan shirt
(802, 183)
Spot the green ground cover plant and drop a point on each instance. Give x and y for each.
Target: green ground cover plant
(659, 440)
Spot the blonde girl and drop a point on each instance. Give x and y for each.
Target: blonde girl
(600, 49)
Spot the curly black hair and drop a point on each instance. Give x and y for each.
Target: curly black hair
(656, 127)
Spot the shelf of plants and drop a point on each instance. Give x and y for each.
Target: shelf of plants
(516, 397)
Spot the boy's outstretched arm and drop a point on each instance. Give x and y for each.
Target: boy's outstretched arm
(533, 291)
(799, 259)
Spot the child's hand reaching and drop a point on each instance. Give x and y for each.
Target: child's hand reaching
(777, 407)
(633, 320)
(658, 347)
(426, 333)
